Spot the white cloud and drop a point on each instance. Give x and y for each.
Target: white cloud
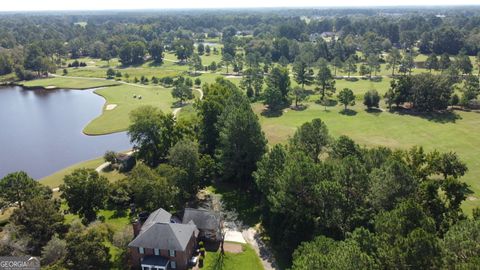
(10, 5)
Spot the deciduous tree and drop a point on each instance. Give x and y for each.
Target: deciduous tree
(152, 133)
(87, 250)
(156, 51)
(182, 92)
(85, 192)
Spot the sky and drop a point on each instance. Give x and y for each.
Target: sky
(38, 5)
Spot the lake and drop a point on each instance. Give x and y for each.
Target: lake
(41, 130)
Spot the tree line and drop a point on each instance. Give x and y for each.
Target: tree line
(273, 37)
(329, 203)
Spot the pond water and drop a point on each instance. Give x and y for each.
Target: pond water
(41, 130)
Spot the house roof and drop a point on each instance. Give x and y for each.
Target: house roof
(204, 219)
(123, 157)
(157, 216)
(171, 236)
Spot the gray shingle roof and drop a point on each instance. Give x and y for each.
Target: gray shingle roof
(171, 236)
(204, 219)
(157, 216)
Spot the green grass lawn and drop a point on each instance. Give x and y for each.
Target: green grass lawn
(247, 259)
(69, 83)
(118, 119)
(11, 77)
(56, 179)
(391, 130)
(187, 113)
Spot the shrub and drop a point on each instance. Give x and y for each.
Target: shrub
(371, 99)
(198, 82)
(110, 73)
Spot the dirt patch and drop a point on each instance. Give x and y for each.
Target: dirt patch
(472, 198)
(51, 87)
(232, 247)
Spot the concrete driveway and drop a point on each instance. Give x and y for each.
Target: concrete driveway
(234, 236)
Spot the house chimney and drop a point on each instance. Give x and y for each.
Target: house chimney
(138, 223)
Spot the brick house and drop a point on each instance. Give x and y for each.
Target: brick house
(160, 244)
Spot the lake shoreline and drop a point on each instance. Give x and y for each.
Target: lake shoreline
(51, 122)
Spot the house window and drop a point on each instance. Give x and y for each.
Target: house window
(141, 250)
(171, 253)
(146, 268)
(157, 252)
(173, 264)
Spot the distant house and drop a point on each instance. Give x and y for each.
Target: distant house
(160, 244)
(125, 162)
(315, 36)
(327, 34)
(244, 33)
(208, 223)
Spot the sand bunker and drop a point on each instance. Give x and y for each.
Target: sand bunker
(110, 107)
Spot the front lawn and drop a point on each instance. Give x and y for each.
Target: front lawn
(247, 259)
